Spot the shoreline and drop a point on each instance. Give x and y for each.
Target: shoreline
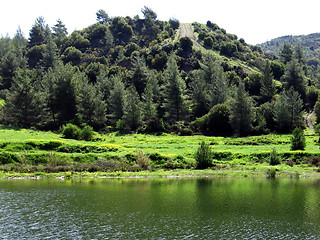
(162, 174)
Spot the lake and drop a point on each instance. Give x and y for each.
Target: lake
(168, 208)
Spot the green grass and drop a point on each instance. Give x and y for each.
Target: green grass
(22, 149)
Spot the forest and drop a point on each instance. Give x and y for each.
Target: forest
(144, 75)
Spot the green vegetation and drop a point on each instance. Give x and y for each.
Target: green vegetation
(150, 76)
(298, 141)
(29, 151)
(179, 83)
(203, 156)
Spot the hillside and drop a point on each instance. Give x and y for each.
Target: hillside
(310, 44)
(146, 75)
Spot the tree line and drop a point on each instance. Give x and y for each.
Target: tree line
(131, 74)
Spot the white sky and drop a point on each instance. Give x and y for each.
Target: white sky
(255, 21)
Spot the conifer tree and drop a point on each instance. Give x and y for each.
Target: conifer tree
(139, 75)
(268, 88)
(132, 109)
(175, 92)
(288, 111)
(199, 94)
(117, 98)
(294, 77)
(38, 33)
(215, 79)
(149, 106)
(25, 103)
(60, 89)
(286, 53)
(91, 108)
(60, 32)
(242, 112)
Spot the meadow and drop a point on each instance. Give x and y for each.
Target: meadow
(33, 152)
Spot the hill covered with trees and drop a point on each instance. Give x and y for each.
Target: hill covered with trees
(147, 75)
(309, 43)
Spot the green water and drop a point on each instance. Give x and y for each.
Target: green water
(211, 208)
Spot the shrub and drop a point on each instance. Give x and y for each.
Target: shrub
(203, 156)
(217, 121)
(271, 173)
(87, 133)
(7, 157)
(71, 131)
(298, 140)
(142, 160)
(208, 42)
(274, 158)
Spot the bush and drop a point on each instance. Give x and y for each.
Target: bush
(203, 156)
(7, 157)
(74, 132)
(274, 158)
(298, 140)
(71, 131)
(87, 133)
(142, 160)
(217, 121)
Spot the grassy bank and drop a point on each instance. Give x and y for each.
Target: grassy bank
(34, 153)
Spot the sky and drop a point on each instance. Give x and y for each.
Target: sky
(255, 21)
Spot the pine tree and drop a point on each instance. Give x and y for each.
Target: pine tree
(132, 109)
(38, 33)
(175, 92)
(60, 32)
(117, 99)
(294, 77)
(139, 74)
(149, 106)
(51, 50)
(286, 53)
(299, 54)
(60, 89)
(268, 88)
(91, 108)
(242, 112)
(288, 111)
(215, 79)
(25, 103)
(199, 94)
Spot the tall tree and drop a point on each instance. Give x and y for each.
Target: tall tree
(132, 109)
(288, 111)
(19, 43)
(37, 33)
(215, 79)
(242, 112)
(60, 32)
(268, 88)
(139, 74)
(294, 77)
(117, 98)
(50, 53)
(286, 53)
(91, 108)
(102, 17)
(149, 105)
(299, 54)
(61, 91)
(175, 91)
(8, 68)
(25, 103)
(150, 29)
(200, 97)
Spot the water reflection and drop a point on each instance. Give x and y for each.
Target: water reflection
(160, 208)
